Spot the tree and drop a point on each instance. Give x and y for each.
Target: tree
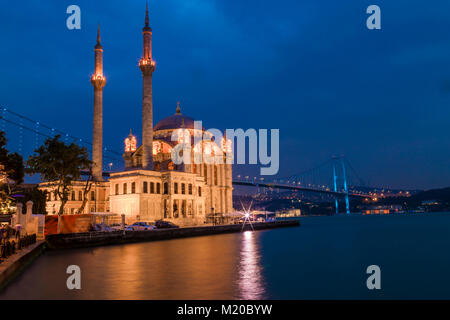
(87, 188)
(38, 197)
(11, 173)
(59, 164)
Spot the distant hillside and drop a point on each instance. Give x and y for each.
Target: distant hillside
(441, 195)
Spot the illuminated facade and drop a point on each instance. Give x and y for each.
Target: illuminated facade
(152, 187)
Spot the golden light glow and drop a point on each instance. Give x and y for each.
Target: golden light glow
(98, 77)
(130, 143)
(145, 62)
(226, 145)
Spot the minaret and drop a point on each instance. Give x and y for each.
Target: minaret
(98, 81)
(147, 66)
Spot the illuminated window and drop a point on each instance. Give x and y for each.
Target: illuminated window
(152, 187)
(170, 166)
(190, 188)
(133, 187)
(183, 188)
(145, 187)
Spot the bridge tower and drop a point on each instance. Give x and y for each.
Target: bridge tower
(336, 162)
(344, 174)
(98, 82)
(336, 202)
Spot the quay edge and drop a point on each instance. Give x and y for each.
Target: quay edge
(91, 239)
(15, 264)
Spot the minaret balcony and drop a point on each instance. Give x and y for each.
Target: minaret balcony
(98, 81)
(147, 65)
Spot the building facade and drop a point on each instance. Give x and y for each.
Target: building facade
(152, 186)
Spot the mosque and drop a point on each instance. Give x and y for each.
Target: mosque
(152, 186)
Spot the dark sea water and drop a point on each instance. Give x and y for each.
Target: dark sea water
(325, 258)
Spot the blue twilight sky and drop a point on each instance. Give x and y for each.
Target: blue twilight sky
(308, 67)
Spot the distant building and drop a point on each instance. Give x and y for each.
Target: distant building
(288, 213)
(384, 209)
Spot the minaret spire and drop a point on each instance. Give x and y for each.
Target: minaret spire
(98, 34)
(147, 20)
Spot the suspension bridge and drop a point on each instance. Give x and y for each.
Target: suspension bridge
(335, 177)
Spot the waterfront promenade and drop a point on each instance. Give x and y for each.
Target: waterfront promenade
(14, 264)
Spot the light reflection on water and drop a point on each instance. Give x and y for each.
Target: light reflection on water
(250, 270)
(212, 267)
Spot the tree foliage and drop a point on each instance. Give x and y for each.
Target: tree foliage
(11, 173)
(59, 164)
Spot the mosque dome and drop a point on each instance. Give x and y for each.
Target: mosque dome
(175, 121)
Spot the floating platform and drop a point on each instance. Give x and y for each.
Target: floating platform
(91, 239)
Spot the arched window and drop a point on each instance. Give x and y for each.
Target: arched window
(175, 209)
(117, 188)
(92, 195)
(190, 188)
(145, 187)
(73, 196)
(183, 188)
(183, 208)
(158, 188)
(80, 196)
(199, 191)
(175, 188)
(125, 188)
(152, 187)
(166, 188)
(133, 187)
